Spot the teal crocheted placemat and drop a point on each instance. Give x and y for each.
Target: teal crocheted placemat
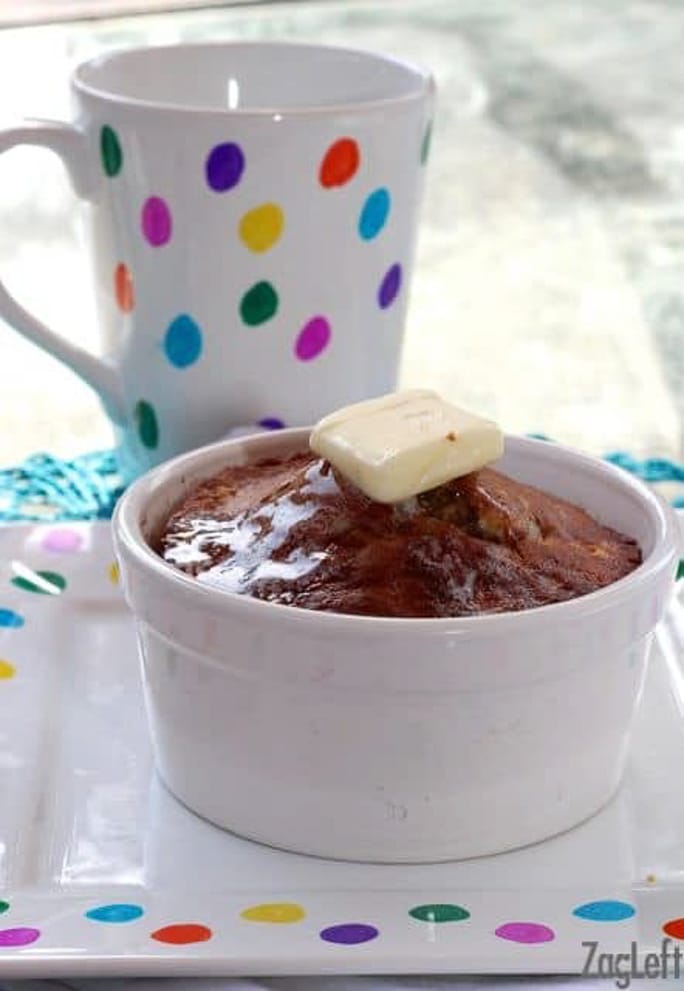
(45, 488)
(49, 489)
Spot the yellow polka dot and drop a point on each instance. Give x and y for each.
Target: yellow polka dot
(274, 912)
(261, 227)
(7, 670)
(113, 573)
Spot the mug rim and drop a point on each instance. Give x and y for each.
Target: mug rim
(424, 80)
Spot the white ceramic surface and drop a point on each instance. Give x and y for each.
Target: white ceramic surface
(253, 210)
(394, 740)
(86, 825)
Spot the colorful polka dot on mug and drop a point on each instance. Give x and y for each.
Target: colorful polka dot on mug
(156, 221)
(390, 286)
(110, 151)
(313, 338)
(262, 227)
(123, 288)
(146, 423)
(259, 304)
(374, 214)
(224, 166)
(183, 341)
(340, 163)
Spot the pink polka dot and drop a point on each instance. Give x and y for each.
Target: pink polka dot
(156, 221)
(525, 932)
(21, 936)
(313, 338)
(62, 541)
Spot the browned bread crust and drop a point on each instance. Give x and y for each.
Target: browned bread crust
(290, 531)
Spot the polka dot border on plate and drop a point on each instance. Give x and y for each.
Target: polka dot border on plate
(11, 619)
(62, 541)
(276, 913)
(674, 928)
(605, 910)
(115, 913)
(182, 933)
(346, 934)
(40, 582)
(349, 933)
(525, 932)
(439, 912)
(18, 936)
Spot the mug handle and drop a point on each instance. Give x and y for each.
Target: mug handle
(70, 144)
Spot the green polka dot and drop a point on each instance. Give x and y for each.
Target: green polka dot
(680, 570)
(259, 304)
(146, 423)
(439, 913)
(57, 581)
(110, 150)
(425, 146)
(3, 907)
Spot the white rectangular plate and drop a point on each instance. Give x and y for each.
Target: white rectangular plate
(85, 827)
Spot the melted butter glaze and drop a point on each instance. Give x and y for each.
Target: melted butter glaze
(292, 532)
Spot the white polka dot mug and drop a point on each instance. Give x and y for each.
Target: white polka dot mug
(253, 210)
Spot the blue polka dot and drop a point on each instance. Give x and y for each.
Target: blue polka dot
(8, 617)
(183, 341)
(605, 911)
(374, 214)
(114, 913)
(271, 423)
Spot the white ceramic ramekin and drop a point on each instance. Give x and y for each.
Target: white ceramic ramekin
(394, 740)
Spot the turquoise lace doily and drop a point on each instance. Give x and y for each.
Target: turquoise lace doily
(87, 487)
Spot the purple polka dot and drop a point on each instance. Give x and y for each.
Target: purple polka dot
(224, 166)
(525, 932)
(349, 933)
(390, 286)
(271, 423)
(21, 936)
(62, 541)
(313, 338)
(156, 221)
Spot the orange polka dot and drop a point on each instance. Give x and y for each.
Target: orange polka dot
(340, 163)
(182, 932)
(123, 288)
(674, 928)
(7, 670)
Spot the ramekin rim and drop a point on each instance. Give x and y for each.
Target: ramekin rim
(130, 539)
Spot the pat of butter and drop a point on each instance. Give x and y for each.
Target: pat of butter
(405, 443)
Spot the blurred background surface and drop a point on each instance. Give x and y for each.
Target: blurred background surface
(549, 290)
